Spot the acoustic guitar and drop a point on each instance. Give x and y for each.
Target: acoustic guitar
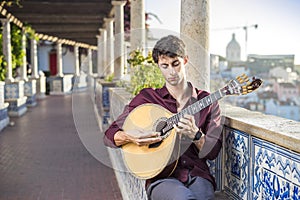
(146, 162)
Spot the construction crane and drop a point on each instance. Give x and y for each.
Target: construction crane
(245, 28)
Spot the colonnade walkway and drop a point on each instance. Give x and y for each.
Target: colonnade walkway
(42, 157)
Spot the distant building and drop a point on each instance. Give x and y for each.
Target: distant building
(286, 91)
(288, 109)
(218, 63)
(279, 73)
(283, 75)
(297, 68)
(260, 64)
(214, 63)
(233, 50)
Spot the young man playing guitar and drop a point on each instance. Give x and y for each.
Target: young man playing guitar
(199, 136)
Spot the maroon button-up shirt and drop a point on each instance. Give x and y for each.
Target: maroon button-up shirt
(191, 161)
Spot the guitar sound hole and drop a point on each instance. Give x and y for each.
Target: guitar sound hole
(159, 125)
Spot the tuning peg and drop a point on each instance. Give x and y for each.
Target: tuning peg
(249, 91)
(240, 80)
(244, 76)
(249, 87)
(244, 93)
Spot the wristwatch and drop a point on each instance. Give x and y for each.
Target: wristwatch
(198, 135)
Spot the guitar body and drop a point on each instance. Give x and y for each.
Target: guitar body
(146, 162)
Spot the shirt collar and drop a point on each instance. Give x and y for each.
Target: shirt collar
(164, 91)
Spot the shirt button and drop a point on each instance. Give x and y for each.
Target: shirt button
(184, 162)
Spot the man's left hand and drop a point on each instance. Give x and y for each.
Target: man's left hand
(187, 126)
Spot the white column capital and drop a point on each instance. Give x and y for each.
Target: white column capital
(118, 3)
(5, 20)
(108, 20)
(102, 30)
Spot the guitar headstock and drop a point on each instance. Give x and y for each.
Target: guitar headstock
(241, 85)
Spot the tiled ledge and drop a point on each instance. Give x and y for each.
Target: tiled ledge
(280, 131)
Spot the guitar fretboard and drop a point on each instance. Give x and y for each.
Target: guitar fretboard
(193, 109)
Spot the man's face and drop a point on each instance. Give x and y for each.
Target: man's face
(173, 69)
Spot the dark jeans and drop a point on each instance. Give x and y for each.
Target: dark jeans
(196, 188)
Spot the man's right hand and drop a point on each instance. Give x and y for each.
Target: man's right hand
(137, 137)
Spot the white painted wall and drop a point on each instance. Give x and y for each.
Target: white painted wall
(43, 57)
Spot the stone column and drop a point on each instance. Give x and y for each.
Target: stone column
(76, 52)
(195, 32)
(32, 86)
(90, 62)
(119, 38)
(103, 52)
(59, 60)
(7, 49)
(34, 61)
(110, 45)
(137, 25)
(99, 56)
(61, 83)
(24, 65)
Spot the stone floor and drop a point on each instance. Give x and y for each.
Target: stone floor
(42, 157)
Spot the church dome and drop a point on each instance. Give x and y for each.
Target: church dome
(233, 50)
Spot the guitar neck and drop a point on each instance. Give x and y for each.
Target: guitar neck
(193, 109)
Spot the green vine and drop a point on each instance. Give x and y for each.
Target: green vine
(144, 72)
(3, 63)
(16, 48)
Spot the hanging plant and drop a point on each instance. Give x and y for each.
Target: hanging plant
(144, 72)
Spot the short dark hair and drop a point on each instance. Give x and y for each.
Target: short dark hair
(170, 46)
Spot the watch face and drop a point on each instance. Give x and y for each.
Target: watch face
(198, 135)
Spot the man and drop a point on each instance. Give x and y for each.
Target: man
(191, 178)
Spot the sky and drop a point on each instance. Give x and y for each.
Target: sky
(278, 21)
